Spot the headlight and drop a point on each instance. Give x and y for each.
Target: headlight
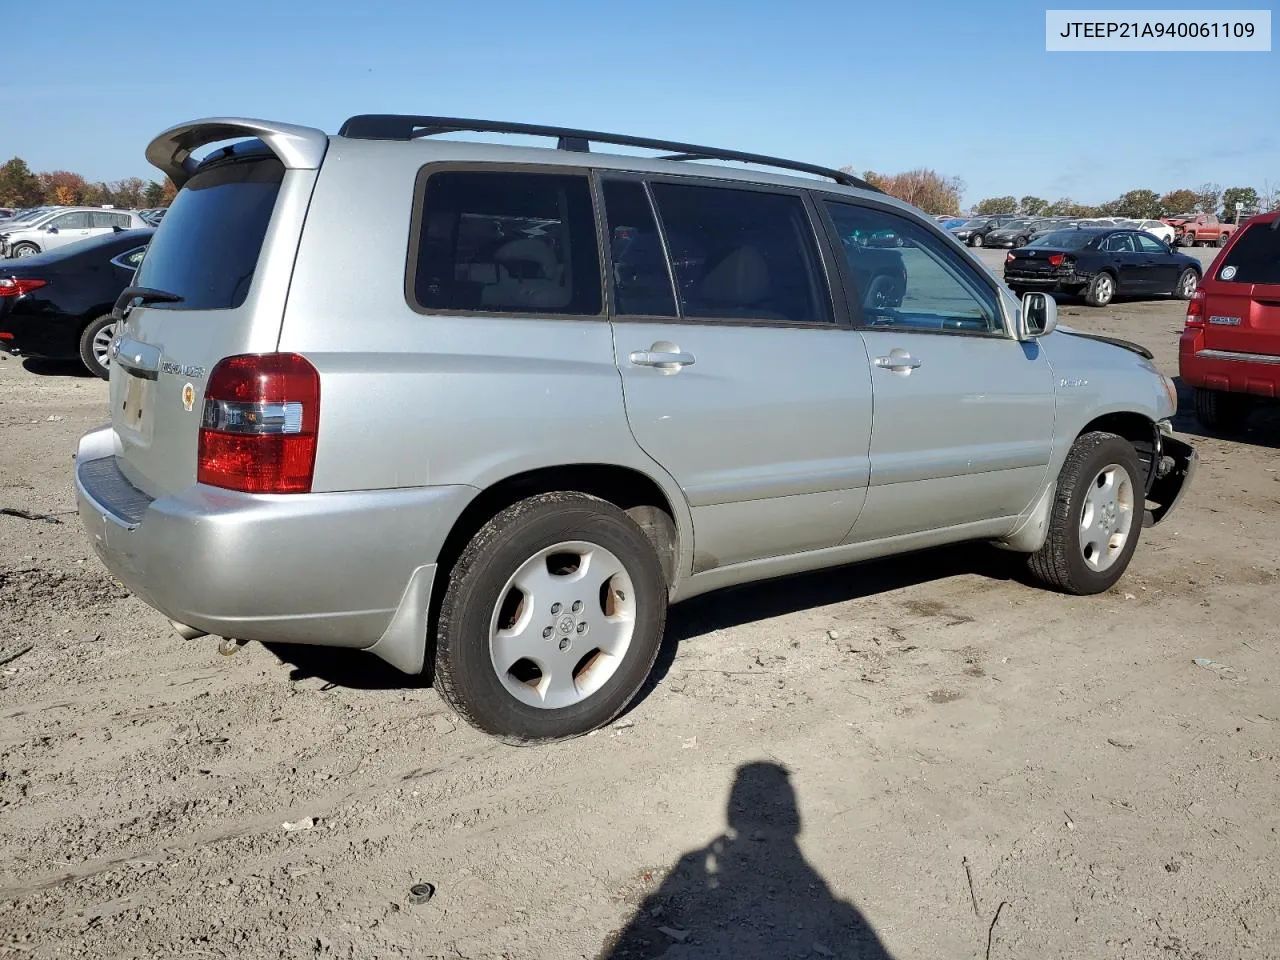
(1172, 390)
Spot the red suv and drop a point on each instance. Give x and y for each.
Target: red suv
(1230, 348)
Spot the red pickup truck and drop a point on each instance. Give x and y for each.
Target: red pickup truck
(1191, 229)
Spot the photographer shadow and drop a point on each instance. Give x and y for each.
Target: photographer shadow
(749, 893)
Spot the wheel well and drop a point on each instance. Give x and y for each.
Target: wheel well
(625, 488)
(1137, 429)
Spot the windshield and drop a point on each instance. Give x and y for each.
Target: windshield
(1255, 256)
(1015, 224)
(1063, 240)
(974, 224)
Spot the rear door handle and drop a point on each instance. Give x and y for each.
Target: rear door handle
(664, 359)
(898, 361)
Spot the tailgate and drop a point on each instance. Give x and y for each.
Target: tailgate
(1242, 298)
(225, 248)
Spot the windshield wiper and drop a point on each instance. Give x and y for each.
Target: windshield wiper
(140, 296)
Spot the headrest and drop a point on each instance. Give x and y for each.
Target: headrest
(741, 277)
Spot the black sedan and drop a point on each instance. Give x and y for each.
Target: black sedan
(1017, 233)
(1100, 263)
(974, 232)
(58, 304)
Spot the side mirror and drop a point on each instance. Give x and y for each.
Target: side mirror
(51, 229)
(1038, 317)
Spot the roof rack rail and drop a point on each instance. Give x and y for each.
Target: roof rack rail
(390, 126)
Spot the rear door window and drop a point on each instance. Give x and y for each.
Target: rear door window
(1255, 256)
(107, 219)
(506, 242)
(641, 280)
(207, 249)
(742, 254)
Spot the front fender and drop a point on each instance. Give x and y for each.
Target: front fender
(1174, 469)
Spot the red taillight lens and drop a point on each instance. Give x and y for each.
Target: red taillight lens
(17, 287)
(259, 425)
(1057, 259)
(1009, 257)
(1195, 309)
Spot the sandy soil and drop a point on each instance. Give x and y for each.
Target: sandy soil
(915, 758)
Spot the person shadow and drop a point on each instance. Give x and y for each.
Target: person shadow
(749, 893)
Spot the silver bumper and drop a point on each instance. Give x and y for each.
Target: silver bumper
(334, 569)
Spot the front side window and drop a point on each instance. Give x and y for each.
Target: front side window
(914, 282)
(1255, 256)
(71, 221)
(641, 280)
(207, 249)
(1148, 244)
(742, 254)
(506, 242)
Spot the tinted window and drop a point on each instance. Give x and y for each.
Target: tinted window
(1063, 240)
(641, 281)
(507, 243)
(1148, 244)
(1255, 256)
(207, 249)
(1118, 243)
(742, 254)
(907, 278)
(71, 221)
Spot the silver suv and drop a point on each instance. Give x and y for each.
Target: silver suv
(496, 422)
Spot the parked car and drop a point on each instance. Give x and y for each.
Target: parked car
(951, 222)
(974, 232)
(1157, 228)
(1016, 233)
(1193, 229)
(57, 305)
(63, 226)
(1101, 262)
(532, 544)
(1050, 225)
(1230, 348)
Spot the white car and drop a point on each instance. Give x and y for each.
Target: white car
(62, 226)
(1158, 229)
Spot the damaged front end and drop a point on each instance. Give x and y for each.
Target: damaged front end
(1172, 466)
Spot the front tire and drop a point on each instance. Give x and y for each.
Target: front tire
(1096, 517)
(976, 240)
(94, 343)
(1185, 288)
(1222, 412)
(1101, 290)
(24, 249)
(552, 619)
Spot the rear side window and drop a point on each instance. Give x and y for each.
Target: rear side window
(641, 281)
(742, 254)
(1255, 256)
(503, 242)
(207, 249)
(110, 219)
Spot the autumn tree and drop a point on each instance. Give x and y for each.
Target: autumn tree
(19, 187)
(1178, 201)
(58, 185)
(995, 205)
(1246, 197)
(1207, 198)
(1032, 206)
(923, 188)
(1066, 207)
(167, 192)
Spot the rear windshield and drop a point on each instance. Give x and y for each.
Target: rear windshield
(207, 245)
(1255, 256)
(1063, 240)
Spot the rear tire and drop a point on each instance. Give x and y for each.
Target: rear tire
(1221, 241)
(1080, 529)
(1185, 288)
(1101, 290)
(1020, 241)
(1222, 412)
(516, 590)
(94, 340)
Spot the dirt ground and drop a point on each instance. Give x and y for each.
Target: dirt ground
(922, 757)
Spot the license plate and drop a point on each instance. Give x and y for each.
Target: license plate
(137, 402)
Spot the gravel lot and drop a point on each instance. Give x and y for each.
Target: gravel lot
(977, 768)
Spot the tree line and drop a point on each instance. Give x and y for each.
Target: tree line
(20, 187)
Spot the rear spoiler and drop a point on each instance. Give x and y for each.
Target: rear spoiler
(299, 148)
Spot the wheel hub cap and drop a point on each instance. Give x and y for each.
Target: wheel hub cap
(562, 625)
(1106, 517)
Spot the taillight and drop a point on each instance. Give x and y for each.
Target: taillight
(1057, 259)
(259, 425)
(1009, 257)
(1195, 309)
(18, 287)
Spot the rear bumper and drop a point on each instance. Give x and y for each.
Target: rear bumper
(334, 569)
(35, 335)
(1045, 281)
(1226, 370)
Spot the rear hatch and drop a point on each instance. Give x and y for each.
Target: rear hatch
(1242, 293)
(224, 253)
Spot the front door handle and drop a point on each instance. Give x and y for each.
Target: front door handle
(899, 361)
(672, 358)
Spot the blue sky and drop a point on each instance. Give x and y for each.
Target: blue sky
(965, 88)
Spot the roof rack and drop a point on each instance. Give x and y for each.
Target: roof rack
(389, 126)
